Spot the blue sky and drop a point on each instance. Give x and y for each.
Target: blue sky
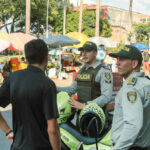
(141, 6)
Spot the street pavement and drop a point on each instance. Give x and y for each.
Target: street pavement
(4, 143)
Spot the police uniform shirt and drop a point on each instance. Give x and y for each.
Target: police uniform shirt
(131, 122)
(104, 77)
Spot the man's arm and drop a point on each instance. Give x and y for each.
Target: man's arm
(54, 134)
(6, 129)
(133, 119)
(69, 89)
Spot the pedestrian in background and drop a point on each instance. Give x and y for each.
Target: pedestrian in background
(146, 62)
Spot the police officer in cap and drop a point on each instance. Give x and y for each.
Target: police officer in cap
(131, 120)
(93, 82)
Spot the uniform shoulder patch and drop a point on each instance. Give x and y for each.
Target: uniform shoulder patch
(132, 96)
(107, 75)
(132, 81)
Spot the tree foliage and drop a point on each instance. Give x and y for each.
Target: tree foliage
(142, 31)
(13, 13)
(88, 23)
(72, 20)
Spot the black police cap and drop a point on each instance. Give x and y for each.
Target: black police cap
(130, 52)
(88, 46)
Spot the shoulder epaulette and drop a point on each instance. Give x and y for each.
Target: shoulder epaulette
(132, 81)
(106, 66)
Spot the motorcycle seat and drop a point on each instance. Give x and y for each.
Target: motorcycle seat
(86, 140)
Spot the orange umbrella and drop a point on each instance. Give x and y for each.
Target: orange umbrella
(78, 36)
(18, 39)
(12, 48)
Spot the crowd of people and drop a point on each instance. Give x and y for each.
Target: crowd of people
(34, 105)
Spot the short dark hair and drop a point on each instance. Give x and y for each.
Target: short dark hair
(36, 51)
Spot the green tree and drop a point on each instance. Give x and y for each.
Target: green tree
(72, 20)
(105, 28)
(89, 25)
(142, 30)
(12, 15)
(38, 15)
(89, 20)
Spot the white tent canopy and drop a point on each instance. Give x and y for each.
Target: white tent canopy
(101, 40)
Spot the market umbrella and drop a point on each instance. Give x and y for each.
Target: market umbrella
(5, 43)
(78, 36)
(19, 39)
(58, 41)
(141, 46)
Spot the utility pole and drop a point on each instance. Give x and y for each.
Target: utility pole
(130, 16)
(80, 16)
(64, 20)
(97, 17)
(28, 16)
(47, 19)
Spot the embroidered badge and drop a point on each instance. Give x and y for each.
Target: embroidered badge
(107, 75)
(132, 81)
(132, 96)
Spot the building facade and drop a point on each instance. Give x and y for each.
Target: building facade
(118, 19)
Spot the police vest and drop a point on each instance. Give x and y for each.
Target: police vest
(87, 88)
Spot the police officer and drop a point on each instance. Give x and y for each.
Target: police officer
(131, 120)
(93, 82)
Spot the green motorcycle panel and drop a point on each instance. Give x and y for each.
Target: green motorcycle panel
(106, 140)
(69, 140)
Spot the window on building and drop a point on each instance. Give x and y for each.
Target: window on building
(148, 19)
(143, 19)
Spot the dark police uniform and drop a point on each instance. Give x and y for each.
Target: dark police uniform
(33, 97)
(92, 84)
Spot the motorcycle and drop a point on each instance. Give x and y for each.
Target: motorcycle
(72, 138)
